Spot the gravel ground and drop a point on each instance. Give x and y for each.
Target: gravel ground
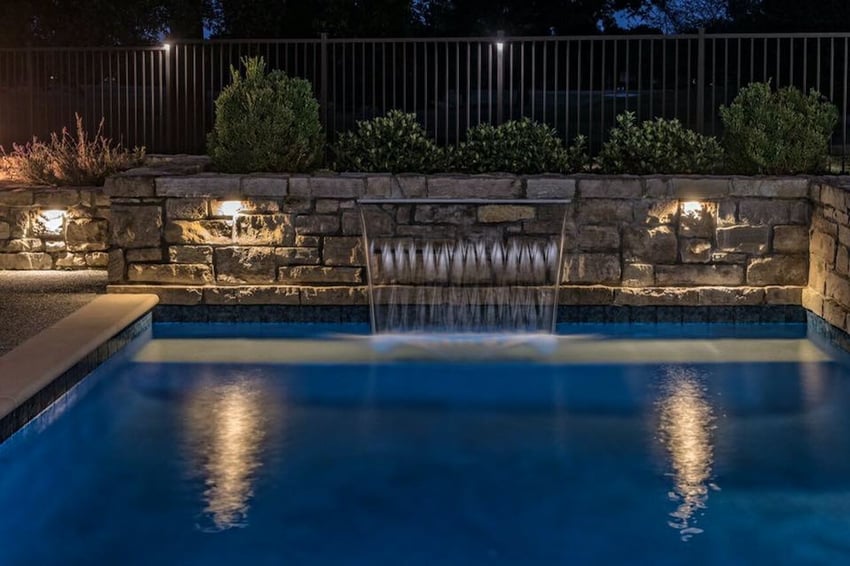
(30, 301)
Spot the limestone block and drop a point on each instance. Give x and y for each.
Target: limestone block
(620, 187)
(16, 197)
(548, 187)
(767, 211)
(838, 289)
(492, 213)
(142, 255)
(136, 226)
(86, 235)
(823, 245)
(699, 275)
(208, 185)
(327, 206)
(246, 206)
(695, 250)
(296, 205)
(823, 224)
(115, 270)
(744, 239)
(239, 265)
(168, 294)
(655, 212)
(638, 275)
(26, 261)
(410, 186)
(604, 211)
(597, 269)
(190, 254)
(186, 208)
(379, 185)
(307, 241)
(317, 274)
(252, 295)
(70, 260)
(834, 313)
(345, 251)
(598, 239)
(341, 186)
(297, 256)
(265, 185)
(130, 185)
(699, 188)
(784, 295)
(656, 296)
(586, 295)
(656, 187)
(777, 270)
(474, 186)
(216, 232)
(317, 224)
(264, 229)
(346, 295)
(55, 246)
(378, 222)
(731, 296)
(5, 231)
(57, 198)
(173, 273)
(97, 259)
(698, 224)
(782, 187)
(818, 271)
(791, 239)
(22, 245)
(650, 245)
(726, 257)
(439, 214)
(813, 301)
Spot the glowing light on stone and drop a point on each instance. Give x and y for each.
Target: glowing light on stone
(692, 208)
(52, 221)
(229, 208)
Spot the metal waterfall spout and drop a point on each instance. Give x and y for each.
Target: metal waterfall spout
(452, 270)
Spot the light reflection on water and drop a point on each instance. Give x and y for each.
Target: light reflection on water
(686, 422)
(226, 428)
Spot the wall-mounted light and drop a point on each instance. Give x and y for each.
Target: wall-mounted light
(229, 208)
(166, 46)
(692, 208)
(51, 222)
(500, 45)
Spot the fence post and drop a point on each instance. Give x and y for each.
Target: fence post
(168, 47)
(31, 89)
(500, 76)
(701, 81)
(323, 81)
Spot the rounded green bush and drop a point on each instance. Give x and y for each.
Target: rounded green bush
(395, 143)
(518, 146)
(265, 122)
(657, 146)
(777, 133)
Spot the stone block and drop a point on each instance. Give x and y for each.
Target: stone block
(439, 214)
(656, 296)
(345, 251)
(265, 185)
(136, 226)
(190, 254)
(726, 257)
(548, 187)
(215, 232)
(784, 295)
(834, 314)
(130, 185)
(818, 272)
(656, 187)
(744, 239)
(823, 224)
(378, 222)
(97, 259)
(5, 231)
(264, 230)
(595, 269)
(493, 213)
(16, 197)
(823, 245)
(186, 208)
(26, 261)
(655, 212)
(781, 188)
(700, 223)
(316, 274)
(699, 275)
(346, 295)
(842, 261)
(142, 255)
(638, 275)
(57, 198)
(604, 211)
(297, 256)
(586, 295)
(838, 289)
(410, 186)
(172, 273)
(791, 239)
(327, 206)
(474, 186)
(727, 213)
(252, 295)
(649, 245)
(379, 185)
(844, 234)
(116, 269)
(598, 239)
(70, 260)
(240, 265)
(833, 197)
(22, 245)
(620, 187)
(695, 250)
(731, 296)
(777, 270)
(246, 206)
(813, 301)
(699, 188)
(207, 185)
(297, 205)
(86, 235)
(317, 224)
(346, 185)
(168, 294)
(307, 241)
(765, 211)
(55, 246)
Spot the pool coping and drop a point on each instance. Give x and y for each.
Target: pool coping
(42, 369)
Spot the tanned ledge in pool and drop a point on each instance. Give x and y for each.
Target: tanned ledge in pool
(40, 370)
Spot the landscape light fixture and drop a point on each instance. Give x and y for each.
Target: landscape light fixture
(229, 208)
(166, 46)
(52, 221)
(692, 208)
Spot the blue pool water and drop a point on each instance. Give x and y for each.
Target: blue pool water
(443, 462)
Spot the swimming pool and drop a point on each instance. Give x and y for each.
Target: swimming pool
(630, 444)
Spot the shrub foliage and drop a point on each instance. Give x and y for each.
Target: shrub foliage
(658, 146)
(781, 132)
(395, 143)
(518, 146)
(265, 122)
(69, 159)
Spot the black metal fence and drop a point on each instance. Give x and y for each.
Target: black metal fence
(162, 97)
